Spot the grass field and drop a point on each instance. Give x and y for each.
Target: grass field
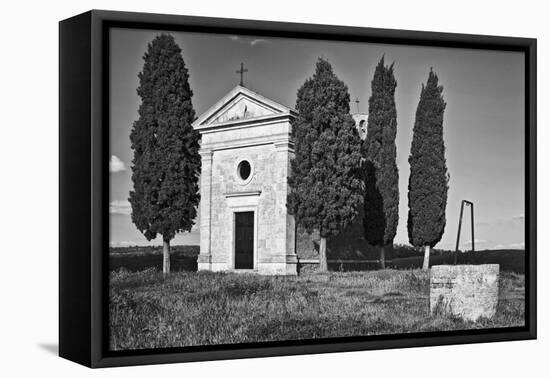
(185, 309)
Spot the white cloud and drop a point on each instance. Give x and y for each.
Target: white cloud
(510, 246)
(250, 41)
(468, 241)
(123, 243)
(116, 165)
(516, 245)
(256, 41)
(519, 217)
(121, 207)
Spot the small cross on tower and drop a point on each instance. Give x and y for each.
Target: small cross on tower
(357, 102)
(242, 71)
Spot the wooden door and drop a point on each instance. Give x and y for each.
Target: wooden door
(244, 240)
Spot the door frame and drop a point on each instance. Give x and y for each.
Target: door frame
(238, 202)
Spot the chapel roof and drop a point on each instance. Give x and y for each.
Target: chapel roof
(241, 105)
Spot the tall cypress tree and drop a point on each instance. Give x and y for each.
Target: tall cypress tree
(428, 180)
(381, 199)
(166, 163)
(325, 185)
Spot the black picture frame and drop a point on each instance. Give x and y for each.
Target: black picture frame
(84, 191)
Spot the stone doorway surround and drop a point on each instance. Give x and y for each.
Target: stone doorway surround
(238, 203)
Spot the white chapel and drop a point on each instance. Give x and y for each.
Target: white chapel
(246, 149)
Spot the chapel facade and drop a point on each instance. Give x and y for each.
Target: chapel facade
(246, 149)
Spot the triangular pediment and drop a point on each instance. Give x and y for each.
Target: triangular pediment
(242, 108)
(241, 104)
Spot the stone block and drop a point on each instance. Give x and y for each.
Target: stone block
(467, 291)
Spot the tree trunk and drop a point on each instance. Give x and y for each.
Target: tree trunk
(426, 263)
(383, 257)
(166, 256)
(323, 265)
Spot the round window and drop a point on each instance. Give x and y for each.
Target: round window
(244, 170)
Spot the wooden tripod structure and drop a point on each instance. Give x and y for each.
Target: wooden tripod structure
(471, 205)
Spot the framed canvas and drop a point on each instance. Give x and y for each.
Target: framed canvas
(235, 188)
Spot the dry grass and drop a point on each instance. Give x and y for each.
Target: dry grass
(185, 309)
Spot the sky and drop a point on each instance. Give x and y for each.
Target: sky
(483, 123)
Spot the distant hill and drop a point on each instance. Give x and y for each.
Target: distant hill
(510, 260)
(136, 258)
(350, 245)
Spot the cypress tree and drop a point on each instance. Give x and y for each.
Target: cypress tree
(428, 180)
(325, 185)
(381, 198)
(166, 162)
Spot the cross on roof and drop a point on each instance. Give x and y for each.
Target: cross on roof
(242, 71)
(357, 102)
